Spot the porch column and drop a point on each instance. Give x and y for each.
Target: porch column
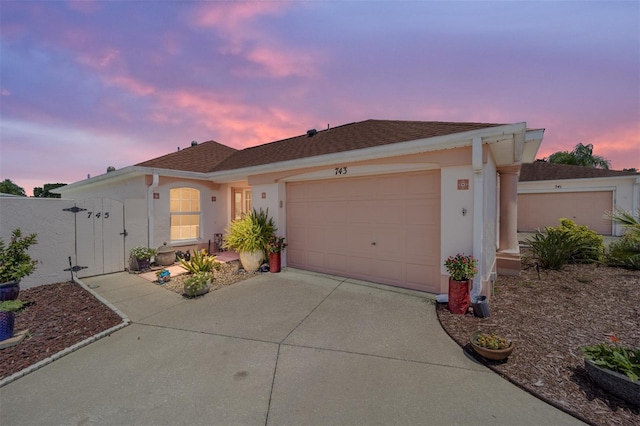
(509, 209)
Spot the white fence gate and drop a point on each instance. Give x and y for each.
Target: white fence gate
(100, 234)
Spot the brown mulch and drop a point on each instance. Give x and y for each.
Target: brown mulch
(58, 316)
(549, 317)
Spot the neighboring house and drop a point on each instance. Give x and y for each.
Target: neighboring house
(548, 192)
(378, 200)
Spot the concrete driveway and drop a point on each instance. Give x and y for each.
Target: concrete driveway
(291, 348)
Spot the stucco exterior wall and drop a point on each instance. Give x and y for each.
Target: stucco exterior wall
(626, 191)
(213, 202)
(56, 235)
(456, 233)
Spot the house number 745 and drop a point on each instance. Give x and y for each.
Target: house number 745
(341, 171)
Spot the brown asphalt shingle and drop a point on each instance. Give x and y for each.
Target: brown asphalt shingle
(541, 170)
(348, 137)
(199, 158)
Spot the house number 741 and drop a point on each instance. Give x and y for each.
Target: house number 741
(341, 171)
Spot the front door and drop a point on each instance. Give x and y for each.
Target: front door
(241, 202)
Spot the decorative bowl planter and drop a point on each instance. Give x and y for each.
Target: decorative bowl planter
(492, 354)
(251, 260)
(615, 383)
(166, 255)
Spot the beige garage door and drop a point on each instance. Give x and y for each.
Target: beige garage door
(535, 211)
(383, 229)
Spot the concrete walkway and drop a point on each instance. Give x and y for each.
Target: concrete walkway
(291, 348)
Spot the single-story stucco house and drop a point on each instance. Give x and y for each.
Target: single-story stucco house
(548, 192)
(379, 200)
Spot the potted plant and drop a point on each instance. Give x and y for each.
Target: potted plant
(491, 346)
(461, 271)
(249, 236)
(275, 247)
(15, 263)
(141, 257)
(8, 310)
(198, 284)
(614, 368)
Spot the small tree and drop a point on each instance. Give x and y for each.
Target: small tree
(582, 155)
(8, 187)
(38, 191)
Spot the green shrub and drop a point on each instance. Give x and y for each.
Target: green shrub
(567, 243)
(625, 252)
(201, 261)
(250, 233)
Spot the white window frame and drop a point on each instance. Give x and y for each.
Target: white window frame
(173, 214)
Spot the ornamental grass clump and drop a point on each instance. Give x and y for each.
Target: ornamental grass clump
(461, 267)
(567, 243)
(615, 357)
(201, 261)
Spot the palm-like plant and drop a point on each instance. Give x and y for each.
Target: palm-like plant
(626, 251)
(582, 155)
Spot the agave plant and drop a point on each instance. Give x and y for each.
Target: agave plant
(201, 261)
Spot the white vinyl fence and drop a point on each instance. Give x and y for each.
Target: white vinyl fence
(56, 235)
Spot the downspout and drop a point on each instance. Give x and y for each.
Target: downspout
(150, 212)
(478, 214)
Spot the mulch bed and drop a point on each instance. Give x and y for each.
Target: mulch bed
(57, 316)
(549, 317)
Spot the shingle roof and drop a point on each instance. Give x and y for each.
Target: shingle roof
(199, 158)
(541, 170)
(348, 137)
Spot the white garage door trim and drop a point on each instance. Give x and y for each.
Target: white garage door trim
(378, 228)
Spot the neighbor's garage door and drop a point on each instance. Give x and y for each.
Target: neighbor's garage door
(535, 211)
(383, 229)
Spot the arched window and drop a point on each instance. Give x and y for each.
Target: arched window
(185, 214)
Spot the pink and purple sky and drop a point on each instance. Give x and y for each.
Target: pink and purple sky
(89, 84)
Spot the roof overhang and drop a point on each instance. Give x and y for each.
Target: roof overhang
(128, 173)
(510, 144)
(490, 135)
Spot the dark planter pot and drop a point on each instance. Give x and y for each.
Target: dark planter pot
(9, 290)
(274, 262)
(139, 264)
(458, 296)
(7, 322)
(615, 383)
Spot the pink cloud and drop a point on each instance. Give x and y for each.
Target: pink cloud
(132, 85)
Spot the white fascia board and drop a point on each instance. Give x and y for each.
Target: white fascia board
(127, 173)
(438, 143)
(532, 142)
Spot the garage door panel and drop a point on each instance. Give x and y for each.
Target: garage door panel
(341, 219)
(423, 185)
(535, 211)
(422, 277)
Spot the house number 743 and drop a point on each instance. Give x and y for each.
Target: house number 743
(341, 171)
